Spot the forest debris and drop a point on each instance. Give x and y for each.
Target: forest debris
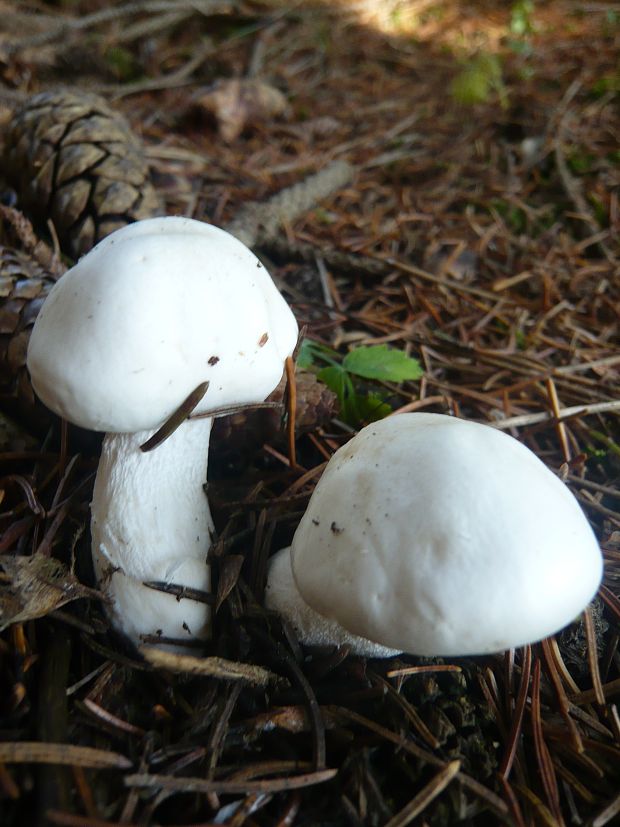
(40, 752)
(421, 801)
(75, 160)
(271, 785)
(259, 223)
(213, 667)
(35, 586)
(237, 103)
(13, 437)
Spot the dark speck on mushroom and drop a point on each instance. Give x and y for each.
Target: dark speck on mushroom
(315, 521)
(213, 360)
(263, 339)
(335, 528)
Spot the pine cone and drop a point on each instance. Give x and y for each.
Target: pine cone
(76, 161)
(24, 284)
(248, 430)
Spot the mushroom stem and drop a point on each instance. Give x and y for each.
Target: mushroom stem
(312, 628)
(151, 521)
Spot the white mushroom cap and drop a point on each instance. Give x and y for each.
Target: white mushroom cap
(151, 312)
(438, 536)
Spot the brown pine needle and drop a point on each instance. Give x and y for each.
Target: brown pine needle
(545, 765)
(291, 406)
(561, 697)
(37, 752)
(176, 419)
(595, 674)
(517, 720)
(421, 801)
(201, 785)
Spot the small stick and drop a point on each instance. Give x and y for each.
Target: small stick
(520, 421)
(560, 426)
(181, 592)
(291, 407)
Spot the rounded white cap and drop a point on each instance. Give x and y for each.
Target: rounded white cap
(151, 312)
(438, 536)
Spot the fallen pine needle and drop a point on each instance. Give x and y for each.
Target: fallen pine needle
(564, 413)
(201, 785)
(40, 752)
(213, 667)
(421, 801)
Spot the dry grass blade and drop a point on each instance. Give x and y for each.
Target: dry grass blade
(36, 752)
(213, 667)
(200, 785)
(421, 801)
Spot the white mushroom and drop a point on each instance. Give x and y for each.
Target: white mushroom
(436, 536)
(152, 312)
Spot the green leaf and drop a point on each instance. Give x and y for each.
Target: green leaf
(382, 362)
(371, 408)
(305, 357)
(336, 380)
(311, 352)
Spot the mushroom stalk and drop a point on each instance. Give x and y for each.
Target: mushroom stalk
(313, 629)
(151, 522)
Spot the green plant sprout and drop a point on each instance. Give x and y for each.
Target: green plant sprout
(378, 363)
(479, 79)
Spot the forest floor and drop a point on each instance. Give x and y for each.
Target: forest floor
(472, 221)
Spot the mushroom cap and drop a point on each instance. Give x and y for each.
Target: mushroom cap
(151, 312)
(438, 536)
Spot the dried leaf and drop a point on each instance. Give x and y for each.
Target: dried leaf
(238, 103)
(36, 586)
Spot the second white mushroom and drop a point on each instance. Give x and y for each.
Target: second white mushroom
(436, 536)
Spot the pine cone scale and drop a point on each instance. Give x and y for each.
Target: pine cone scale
(76, 159)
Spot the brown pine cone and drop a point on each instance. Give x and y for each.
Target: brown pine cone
(248, 430)
(24, 284)
(73, 159)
